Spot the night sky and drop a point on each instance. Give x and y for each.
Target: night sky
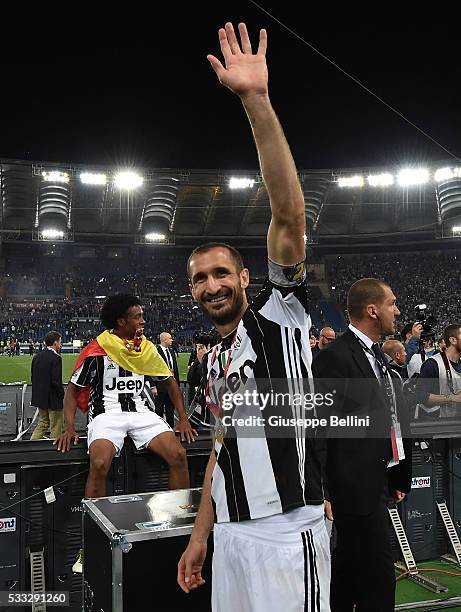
(129, 83)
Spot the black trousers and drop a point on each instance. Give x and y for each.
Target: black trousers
(164, 408)
(362, 569)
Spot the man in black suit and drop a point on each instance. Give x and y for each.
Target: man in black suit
(364, 471)
(163, 405)
(47, 389)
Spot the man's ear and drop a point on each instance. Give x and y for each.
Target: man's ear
(192, 292)
(244, 278)
(371, 310)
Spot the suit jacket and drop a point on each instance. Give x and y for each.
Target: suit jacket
(194, 378)
(162, 353)
(356, 468)
(46, 374)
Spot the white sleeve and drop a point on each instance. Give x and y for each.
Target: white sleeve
(287, 276)
(414, 366)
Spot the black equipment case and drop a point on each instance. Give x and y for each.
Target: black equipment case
(132, 545)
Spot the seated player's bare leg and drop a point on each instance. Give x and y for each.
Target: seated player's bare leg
(169, 448)
(102, 453)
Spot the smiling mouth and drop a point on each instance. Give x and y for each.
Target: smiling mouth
(218, 299)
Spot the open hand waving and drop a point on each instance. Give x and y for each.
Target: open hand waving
(245, 73)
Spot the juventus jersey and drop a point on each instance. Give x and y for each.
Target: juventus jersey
(265, 474)
(112, 388)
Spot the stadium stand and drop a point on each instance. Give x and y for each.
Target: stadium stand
(66, 295)
(416, 278)
(35, 302)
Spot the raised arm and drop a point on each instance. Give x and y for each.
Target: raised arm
(245, 74)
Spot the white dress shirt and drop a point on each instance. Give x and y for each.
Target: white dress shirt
(368, 343)
(372, 359)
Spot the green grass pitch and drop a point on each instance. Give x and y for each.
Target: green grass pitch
(17, 369)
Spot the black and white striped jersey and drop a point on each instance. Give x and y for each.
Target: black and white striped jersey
(112, 388)
(267, 473)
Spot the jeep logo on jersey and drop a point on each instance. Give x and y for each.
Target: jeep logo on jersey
(125, 384)
(7, 524)
(420, 482)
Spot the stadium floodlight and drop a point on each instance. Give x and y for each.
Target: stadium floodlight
(50, 234)
(456, 229)
(91, 178)
(99, 297)
(55, 176)
(240, 183)
(380, 180)
(445, 174)
(351, 181)
(413, 176)
(154, 237)
(128, 180)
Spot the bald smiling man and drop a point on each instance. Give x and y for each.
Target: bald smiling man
(397, 354)
(327, 335)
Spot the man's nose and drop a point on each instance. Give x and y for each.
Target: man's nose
(213, 285)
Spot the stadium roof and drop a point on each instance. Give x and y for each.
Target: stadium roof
(182, 204)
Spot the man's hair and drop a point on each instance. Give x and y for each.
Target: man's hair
(406, 330)
(391, 347)
(204, 248)
(204, 339)
(52, 337)
(116, 307)
(363, 292)
(450, 331)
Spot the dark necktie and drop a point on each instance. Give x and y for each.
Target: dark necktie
(380, 359)
(383, 370)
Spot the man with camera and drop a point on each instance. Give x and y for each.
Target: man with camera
(419, 340)
(439, 385)
(411, 335)
(426, 351)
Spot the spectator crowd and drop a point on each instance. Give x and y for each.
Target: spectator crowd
(67, 298)
(416, 278)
